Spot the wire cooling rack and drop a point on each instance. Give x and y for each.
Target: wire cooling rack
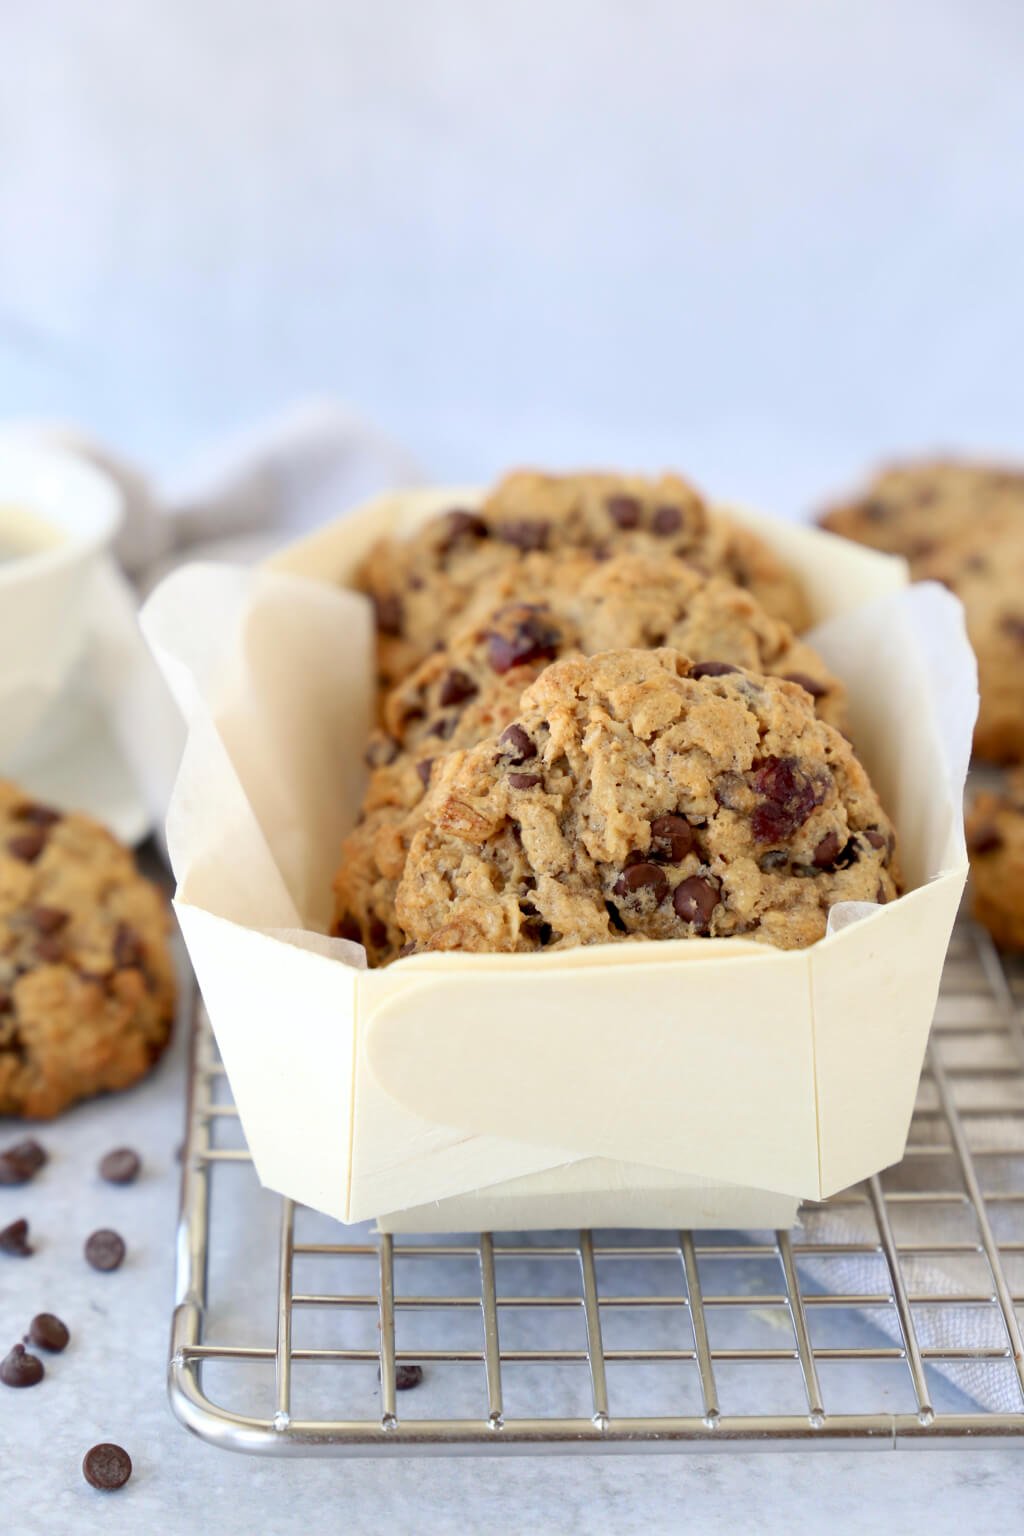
(890, 1317)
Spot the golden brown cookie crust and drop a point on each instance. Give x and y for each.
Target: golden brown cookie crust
(636, 798)
(86, 978)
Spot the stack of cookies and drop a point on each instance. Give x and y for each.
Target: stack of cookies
(963, 524)
(598, 724)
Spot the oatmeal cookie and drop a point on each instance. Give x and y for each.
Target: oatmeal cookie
(636, 796)
(911, 509)
(421, 585)
(963, 525)
(984, 566)
(995, 841)
(86, 979)
(471, 688)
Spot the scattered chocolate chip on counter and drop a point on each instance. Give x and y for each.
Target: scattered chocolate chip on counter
(106, 1467)
(407, 1377)
(105, 1249)
(21, 1161)
(47, 1331)
(20, 1369)
(14, 1239)
(120, 1166)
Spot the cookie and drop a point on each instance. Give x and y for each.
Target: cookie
(637, 796)
(471, 688)
(984, 566)
(86, 979)
(421, 585)
(911, 509)
(995, 841)
(962, 525)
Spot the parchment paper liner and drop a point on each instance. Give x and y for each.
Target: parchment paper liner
(541, 1088)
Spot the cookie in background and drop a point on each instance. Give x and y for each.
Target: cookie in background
(960, 523)
(86, 977)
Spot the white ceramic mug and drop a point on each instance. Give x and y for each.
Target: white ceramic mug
(44, 592)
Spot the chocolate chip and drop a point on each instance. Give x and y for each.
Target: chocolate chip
(105, 1249)
(48, 919)
(388, 609)
(880, 895)
(382, 750)
(827, 851)
(14, 1240)
(21, 1161)
(671, 839)
(459, 524)
(807, 683)
(378, 933)
(408, 948)
(48, 1332)
(106, 1467)
(456, 687)
(624, 511)
(532, 639)
(129, 950)
(790, 797)
(876, 838)
(774, 859)
(516, 745)
(1012, 624)
(442, 727)
(984, 839)
(875, 510)
(695, 900)
(120, 1166)
(637, 878)
(6, 1003)
(848, 855)
(524, 780)
(20, 1369)
(423, 768)
(406, 1377)
(524, 534)
(347, 927)
(667, 520)
(712, 669)
(27, 846)
(50, 948)
(38, 815)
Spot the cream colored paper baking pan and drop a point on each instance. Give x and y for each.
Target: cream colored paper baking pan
(544, 1089)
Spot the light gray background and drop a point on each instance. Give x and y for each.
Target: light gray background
(765, 242)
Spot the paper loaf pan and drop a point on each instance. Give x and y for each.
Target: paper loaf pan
(519, 1083)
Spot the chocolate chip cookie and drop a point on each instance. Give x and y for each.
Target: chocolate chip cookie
(421, 585)
(961, 524)
(639, 796)
(471, 688)
(86, 979)
(995, 841)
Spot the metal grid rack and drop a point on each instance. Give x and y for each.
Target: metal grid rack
(891, 1317)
